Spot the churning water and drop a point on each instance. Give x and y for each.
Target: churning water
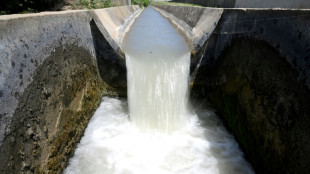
(158, 135)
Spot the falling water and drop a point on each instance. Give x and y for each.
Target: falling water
(158, 135)
(157, 60)
(157, 92)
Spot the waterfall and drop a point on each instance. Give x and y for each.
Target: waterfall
(157, 60)
(158, 91)
(158, 135)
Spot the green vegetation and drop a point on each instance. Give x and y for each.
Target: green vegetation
(26, 6)
(174, 3)
(92, 4)
(141, 3)
(33, 6)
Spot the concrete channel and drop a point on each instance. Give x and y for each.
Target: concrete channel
(253, 65)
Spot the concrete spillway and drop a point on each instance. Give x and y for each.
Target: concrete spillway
(159, 134)
(251, 64)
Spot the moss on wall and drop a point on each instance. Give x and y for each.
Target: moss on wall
(262, 102)
(53, 112)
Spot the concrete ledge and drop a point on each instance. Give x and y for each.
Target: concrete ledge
(193, 21)
(297, 4)
(115, 22)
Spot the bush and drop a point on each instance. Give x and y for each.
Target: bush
(30, 6)
(84, 3)
(107, 3)
(94, 4)
(141, 3)
(21, 6)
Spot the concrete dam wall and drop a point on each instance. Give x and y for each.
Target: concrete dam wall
(54, 69)
(299, 4)
(252, 65)
(254, 68)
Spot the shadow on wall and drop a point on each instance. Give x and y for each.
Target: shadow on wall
(299, 4)
(263, 103)
(210, 3)
(112, 67)
(254, 69)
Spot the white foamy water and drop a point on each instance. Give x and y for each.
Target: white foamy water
(113, 145)
(159, 134)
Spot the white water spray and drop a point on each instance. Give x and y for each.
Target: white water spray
(165, 138)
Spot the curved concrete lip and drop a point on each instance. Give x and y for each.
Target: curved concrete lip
(114, 23)
(196, 28)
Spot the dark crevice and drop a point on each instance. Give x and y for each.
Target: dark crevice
(111, 66)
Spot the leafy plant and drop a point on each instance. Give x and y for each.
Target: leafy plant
(94, 4)
(31, 6)
(84, 2)
(22, 6)
(3, 12)
(141, 3)
(107, 3)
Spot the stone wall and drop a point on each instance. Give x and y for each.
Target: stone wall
(52, 79)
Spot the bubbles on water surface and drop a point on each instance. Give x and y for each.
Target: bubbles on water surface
(112, 145)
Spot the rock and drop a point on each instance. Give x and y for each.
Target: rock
(30, 132)
(12, 140)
